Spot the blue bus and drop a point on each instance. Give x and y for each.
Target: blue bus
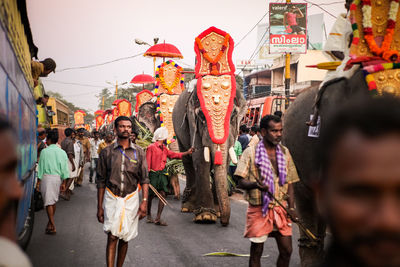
(18, 104)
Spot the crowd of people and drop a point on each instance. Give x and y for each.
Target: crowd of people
(357, 192)
(60, 164)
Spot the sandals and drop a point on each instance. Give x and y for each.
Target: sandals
(160, 223)
(149, 220)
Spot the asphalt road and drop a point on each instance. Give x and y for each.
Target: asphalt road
(80, 240)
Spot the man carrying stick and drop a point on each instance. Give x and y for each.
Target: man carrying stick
(121, 171)
(157, 155)
(268, 167)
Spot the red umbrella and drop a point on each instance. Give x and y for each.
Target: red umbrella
(143, 79)
(163, 50)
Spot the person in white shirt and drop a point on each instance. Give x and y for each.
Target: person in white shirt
(94, 146)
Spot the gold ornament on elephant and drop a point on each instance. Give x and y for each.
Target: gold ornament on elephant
(216, 92)
(214, 46)
(376, 28)
(169, 78)
(167, 103)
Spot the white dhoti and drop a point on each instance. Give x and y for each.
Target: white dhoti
(120, 215)
(50, 188)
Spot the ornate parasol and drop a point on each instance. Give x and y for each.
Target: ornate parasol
(143, 79)
(163, 50)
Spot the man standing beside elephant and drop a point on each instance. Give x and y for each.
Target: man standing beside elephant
(157, 155)
(267, 170)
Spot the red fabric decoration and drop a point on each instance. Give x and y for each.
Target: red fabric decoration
(198, 53)
(218, 157)
(137, 98)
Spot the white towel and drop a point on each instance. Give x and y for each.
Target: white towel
(120, 215)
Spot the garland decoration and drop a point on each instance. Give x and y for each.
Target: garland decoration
(213, 62)
(369, 70)
(383, 51)
(179, 78)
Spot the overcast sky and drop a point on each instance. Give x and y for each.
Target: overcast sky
(78, 33)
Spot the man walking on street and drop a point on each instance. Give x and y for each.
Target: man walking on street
(68, 146)
(121, 172)
(52, 173)
(108, 140)
(157, 154)
(41, 144)
(94, 146)
(243, 139)
(86, 151)
(268, 170)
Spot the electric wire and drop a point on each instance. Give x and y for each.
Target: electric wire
(77, 84)
(317, 5)
(101, 64)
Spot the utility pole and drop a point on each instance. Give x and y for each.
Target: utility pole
(287, 75)
(154, 59)
(116, 90)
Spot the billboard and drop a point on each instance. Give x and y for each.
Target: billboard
(287, 28)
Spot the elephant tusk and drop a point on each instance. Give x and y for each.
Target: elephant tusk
(206, 154)
(232, 155)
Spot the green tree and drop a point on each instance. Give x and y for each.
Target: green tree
(108, 99)
(88, 118)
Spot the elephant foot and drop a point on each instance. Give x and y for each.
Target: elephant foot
(185, 210)
(187, 207)
(205, 215)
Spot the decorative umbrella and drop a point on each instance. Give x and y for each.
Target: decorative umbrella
(163, 50)
(143, 79)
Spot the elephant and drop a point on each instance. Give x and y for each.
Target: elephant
(190, 126)
(303, 148)
(148, 115)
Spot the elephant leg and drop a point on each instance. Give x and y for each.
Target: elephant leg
(188, 197)
(204, 212)
(311, 252)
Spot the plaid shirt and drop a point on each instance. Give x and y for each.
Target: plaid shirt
(247, 169)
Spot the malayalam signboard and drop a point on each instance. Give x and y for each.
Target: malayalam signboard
(288, 28)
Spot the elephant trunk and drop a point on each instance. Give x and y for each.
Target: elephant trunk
(221, 186)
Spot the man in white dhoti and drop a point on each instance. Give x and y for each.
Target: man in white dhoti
(52, 173)
(121, 173)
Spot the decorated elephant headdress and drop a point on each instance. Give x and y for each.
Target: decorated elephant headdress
(170, 83)
(376, 43)
(216, 84)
